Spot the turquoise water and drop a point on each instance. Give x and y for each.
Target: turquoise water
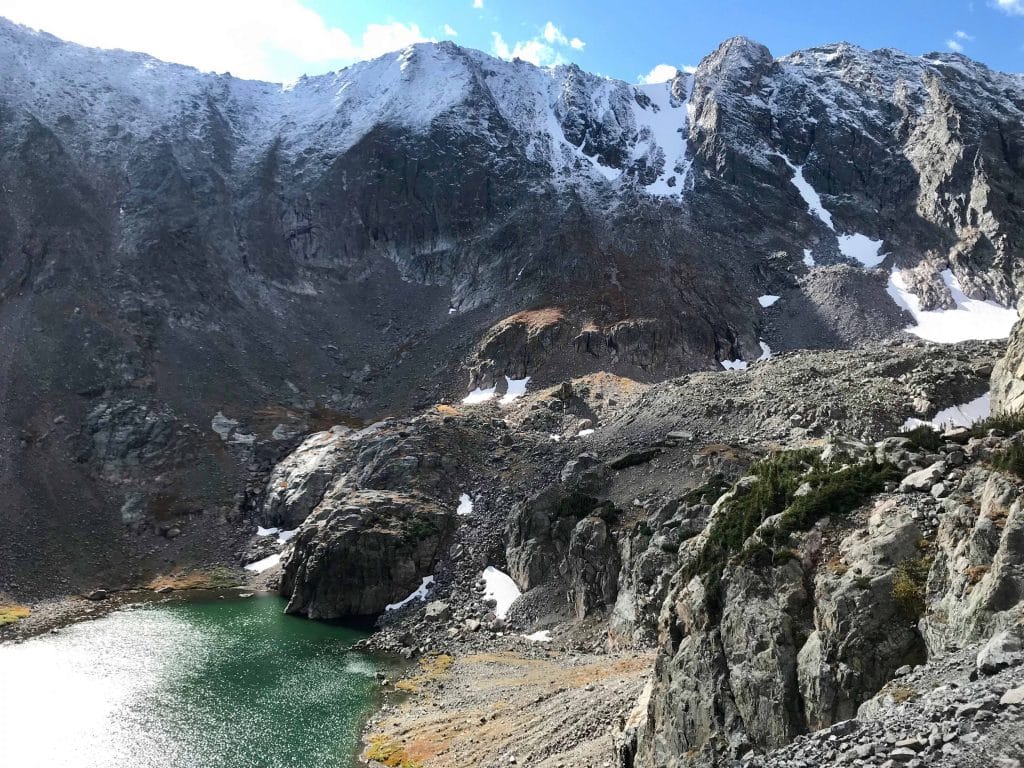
(196, 684)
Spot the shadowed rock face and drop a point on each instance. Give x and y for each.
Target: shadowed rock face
(361, 552)
(177, 245)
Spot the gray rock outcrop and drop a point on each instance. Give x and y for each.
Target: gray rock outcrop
(359, 552)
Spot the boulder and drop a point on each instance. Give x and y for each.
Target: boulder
(538, 533)
(438, 610)
(593, 566)
(861, 635)
(362, 550)
(1008, 376)
(634, 458)
(1002, 650)
(299, 481)
(977, 577)
(924, 479)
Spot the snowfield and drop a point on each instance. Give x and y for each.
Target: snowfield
(963, 415)
(501, 588)
(265, 564)
(479, 395)
(515, 388)
(972, 319)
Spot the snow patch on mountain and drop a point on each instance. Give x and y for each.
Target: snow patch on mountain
(861, 248)
(664, 123)
(480, 395)
(963, 415)
(854, 246)
(972, 319)
(501, 589)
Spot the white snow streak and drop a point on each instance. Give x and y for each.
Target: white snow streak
(479, 395)
(668, 123)
(541, 636)
(742, 365)
(516, 388)
(420, 594)
(862, 248)
(284, 537)
(854, 246)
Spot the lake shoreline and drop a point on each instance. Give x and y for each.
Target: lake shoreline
(57, 613)
(292, 674)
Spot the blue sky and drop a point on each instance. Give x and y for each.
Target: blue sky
(281, 39)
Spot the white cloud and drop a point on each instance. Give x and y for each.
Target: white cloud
(534, 51)
(961, 35)
(275, 40)
(478, 3)
(448, 30)
(953, 45)
(1014, 7)
(661, 73)
(542, 50)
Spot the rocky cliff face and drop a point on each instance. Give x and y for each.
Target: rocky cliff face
(182, 247)
(1008, 376)
(817, 585)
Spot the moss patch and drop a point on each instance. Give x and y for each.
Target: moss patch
(388, 752)
(210, 578)
(431, 668)
(12, 612)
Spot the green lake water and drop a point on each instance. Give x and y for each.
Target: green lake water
(188, 684)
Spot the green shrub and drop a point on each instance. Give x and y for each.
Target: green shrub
(759, 555)
(924, 437)
(908, 585)
(836, 493)
(1011, 460)
(1009, 423)
(778, 478)
(710, 490)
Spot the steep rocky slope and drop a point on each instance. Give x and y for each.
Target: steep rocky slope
(817, 586)
(198, 269)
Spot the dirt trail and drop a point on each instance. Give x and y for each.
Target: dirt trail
(543, 709)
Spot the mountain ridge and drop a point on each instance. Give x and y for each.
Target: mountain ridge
(187, 248)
